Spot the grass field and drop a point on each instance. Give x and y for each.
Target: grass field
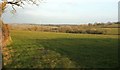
(46, 49)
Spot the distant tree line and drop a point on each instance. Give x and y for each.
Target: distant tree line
(97, 28)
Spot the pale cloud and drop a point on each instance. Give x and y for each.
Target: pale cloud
(70, 11)
(80, 1)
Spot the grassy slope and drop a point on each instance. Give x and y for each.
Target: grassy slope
(85, 50)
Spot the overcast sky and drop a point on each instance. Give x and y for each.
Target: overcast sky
(65, 12)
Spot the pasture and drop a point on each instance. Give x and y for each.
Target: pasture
(33, 49)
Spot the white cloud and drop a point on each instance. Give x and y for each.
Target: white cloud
(80, 1)
(71, 11)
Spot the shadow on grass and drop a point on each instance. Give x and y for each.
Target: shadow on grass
(94, 53)
(63, 52)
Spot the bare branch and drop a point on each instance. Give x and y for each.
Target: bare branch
(19, 3)
(13, 3)
(22, 2)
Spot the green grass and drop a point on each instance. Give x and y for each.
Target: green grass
(56, 50)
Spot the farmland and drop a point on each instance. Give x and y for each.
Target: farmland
(34, 49)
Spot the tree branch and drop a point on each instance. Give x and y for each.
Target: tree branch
(13, 3)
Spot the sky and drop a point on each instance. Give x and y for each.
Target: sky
(65, 12)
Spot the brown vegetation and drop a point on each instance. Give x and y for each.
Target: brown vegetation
(5, 40)
(6, 35)
(97, 28)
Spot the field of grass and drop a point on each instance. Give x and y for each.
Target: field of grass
(55, 50)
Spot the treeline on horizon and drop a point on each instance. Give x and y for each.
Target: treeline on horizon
(96, 28)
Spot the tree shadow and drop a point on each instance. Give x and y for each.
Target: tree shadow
(86, 52)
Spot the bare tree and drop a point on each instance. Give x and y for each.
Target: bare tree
(19, 3)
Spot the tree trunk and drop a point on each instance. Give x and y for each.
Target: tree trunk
(5, 38)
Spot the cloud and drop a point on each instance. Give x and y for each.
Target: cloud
(80, 1)
(68, 11)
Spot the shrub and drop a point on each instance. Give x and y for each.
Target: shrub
(94, 31)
